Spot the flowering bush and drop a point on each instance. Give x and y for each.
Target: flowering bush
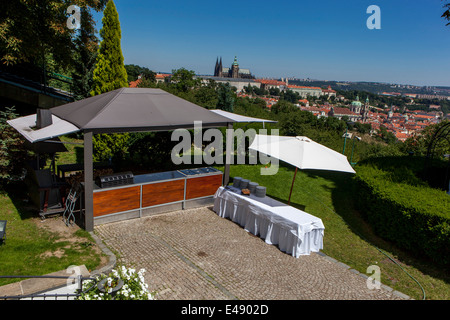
(133, 288)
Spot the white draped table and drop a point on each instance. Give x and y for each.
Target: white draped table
(294, 231)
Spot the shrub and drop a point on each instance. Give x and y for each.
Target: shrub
(404, 209)
(107, 146)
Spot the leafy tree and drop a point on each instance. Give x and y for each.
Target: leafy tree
(275, 92)
(110, 146)
(183, 80)
(283, 106)
(419, 143)
(226, 97)
(30, 30)
(151, 150)
(206, 96)
(386, 136)
(109, 73)
(134, 71)
(290, 96)
(12, 151)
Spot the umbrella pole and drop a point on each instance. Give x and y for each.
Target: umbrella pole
(292, 186)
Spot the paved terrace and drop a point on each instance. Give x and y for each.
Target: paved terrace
(195, 254)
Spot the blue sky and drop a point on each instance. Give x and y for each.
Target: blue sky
(326, 39)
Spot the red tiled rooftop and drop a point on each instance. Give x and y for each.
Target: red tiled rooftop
(343, 111)
(134, 84)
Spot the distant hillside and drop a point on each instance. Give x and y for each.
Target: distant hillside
(372, 87)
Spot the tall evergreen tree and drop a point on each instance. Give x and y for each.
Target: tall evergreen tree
(109, 73)
(85, 55)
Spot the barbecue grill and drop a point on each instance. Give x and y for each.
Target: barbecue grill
(117, 179)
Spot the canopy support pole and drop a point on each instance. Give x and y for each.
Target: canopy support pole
(88, 183)
(228, 155)
(292, 186)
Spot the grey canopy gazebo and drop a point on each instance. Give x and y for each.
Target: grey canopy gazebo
(121, 110)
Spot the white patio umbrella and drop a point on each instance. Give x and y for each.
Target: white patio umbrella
(301, 152)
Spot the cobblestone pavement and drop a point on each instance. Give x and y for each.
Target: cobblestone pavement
(195, 254)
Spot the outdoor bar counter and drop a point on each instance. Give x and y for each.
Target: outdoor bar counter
(155, 193)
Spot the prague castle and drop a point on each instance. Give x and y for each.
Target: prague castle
(233, 72)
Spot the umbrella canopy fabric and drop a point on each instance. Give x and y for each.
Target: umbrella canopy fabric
(301, 152)
(136, 109)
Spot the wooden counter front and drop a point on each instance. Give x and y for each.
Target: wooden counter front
(147, 192)
(162, 192)
(202, 186)
(116, 200)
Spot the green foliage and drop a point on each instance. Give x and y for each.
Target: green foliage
(151, 150)
(109, 73)
(29, 248)
(206, 96)
(110, 146)
(25, 22)
(12, 150)
(133, 71)
(183, 80)
(226, 97)
(404, 209)
(419, 143)
(85, 54)
(290, 96)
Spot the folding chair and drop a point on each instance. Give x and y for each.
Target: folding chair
(74, 195)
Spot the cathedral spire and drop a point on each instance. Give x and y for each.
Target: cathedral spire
(216, 68)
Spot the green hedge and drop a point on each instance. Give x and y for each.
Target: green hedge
(404, 209)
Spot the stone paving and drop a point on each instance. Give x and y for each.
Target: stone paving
(195, 254)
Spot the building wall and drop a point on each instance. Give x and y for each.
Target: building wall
(304, 92)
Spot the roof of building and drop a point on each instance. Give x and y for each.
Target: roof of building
(271, 82)
(344, 111)
(162, 75)
(292, 86)
(134, 84)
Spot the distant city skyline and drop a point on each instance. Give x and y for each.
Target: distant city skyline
(325, 40)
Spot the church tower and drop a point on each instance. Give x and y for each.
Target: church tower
(218, 68)
(235, 68)
(365, 110)
(220, 73)
(356, 106)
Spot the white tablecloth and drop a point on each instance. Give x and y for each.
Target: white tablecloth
(294, 231)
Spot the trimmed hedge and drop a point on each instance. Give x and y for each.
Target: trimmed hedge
(404, 209)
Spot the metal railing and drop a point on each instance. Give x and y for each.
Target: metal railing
(53, 296)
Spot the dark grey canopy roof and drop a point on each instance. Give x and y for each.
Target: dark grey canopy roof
(136, 109)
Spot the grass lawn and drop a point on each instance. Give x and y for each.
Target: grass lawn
(31, 247)
(348, 238)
